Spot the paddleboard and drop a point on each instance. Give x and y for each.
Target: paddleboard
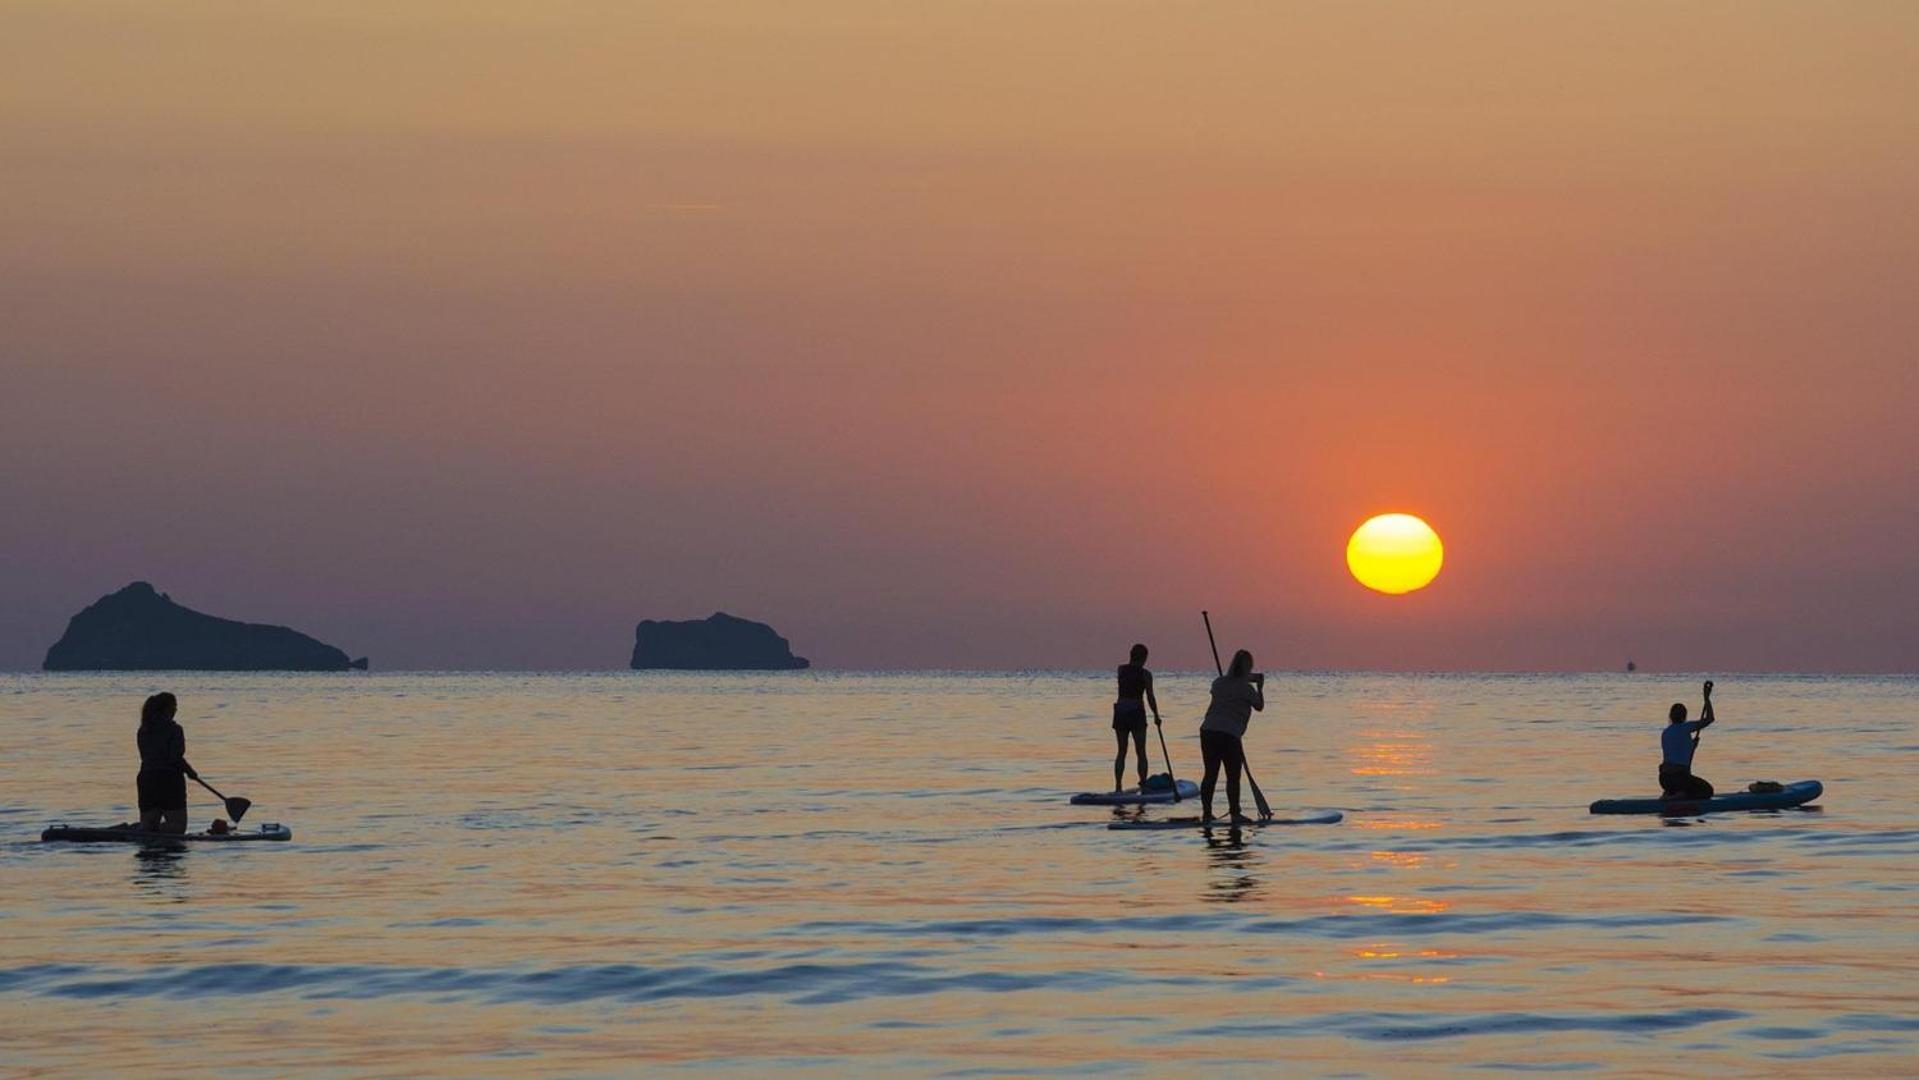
(1794, 794)
(78, 834)
(1305, 817)
(1133, 796)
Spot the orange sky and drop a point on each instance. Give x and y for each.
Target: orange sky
(996, 334)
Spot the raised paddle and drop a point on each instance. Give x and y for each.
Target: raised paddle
(236, 807)
(1705, 714)
(1259, 797)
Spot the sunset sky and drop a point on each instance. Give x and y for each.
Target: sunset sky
(467, 334)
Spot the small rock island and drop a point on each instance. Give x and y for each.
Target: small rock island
(141, 629)
(720, 642)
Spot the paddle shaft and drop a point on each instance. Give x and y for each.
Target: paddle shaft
(1259, 797)
(1705, 713)
(1168, 758)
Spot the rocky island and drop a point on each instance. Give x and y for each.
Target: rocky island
(141, 629)
(720, 642)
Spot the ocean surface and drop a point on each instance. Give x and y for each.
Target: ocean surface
(832, 873)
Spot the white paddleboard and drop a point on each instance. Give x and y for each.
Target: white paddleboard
(119, 834)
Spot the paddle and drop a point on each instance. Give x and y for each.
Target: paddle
(1705, 714)
(1259, 797)
(236, 807)
(1168, 757)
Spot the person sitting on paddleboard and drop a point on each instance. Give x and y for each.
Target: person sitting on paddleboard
(1679, 740)
(164, 770)
(1236, 695)
(1129, 714)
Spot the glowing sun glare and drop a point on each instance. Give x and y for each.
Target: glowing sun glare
(1394, 553)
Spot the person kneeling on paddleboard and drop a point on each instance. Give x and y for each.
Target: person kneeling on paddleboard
(162, 782)
(1236, 695)
(1679, 741)
(1129, 714)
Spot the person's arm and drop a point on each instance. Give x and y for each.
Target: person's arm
(1150, 699)
(180, 754)
(1258, 683)
(1705, 714)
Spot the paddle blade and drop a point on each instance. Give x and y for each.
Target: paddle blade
(1259, 797)
(237, 808)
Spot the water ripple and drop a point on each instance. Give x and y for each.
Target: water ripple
(1319, 926)
(810, 983)
(1402, 1026)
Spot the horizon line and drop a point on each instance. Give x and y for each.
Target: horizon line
(819, 670)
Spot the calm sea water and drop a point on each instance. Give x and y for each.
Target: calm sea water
(829, 873)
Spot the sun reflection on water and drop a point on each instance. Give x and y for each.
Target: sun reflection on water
(1401, 905)
(1395, 823)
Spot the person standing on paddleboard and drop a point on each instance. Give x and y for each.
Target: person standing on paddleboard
(1129, 714)
(1679, 741)
(162, 782)
(1236, 695)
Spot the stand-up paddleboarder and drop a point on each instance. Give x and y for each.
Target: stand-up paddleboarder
(1129, 714)
(1237, 694)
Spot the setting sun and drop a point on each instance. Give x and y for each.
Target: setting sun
(1394, 553)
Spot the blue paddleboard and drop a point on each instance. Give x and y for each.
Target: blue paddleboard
(1794, 794)
(1134, 796)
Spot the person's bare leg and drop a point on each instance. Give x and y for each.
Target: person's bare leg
(173, 821)
(1211, 759)
(1233, 766)
(1139, 751)
(1119, 762)
(150, 820)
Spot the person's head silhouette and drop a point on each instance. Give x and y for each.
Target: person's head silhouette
(158, 709)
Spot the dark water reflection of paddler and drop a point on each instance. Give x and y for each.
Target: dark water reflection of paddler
(1232, 864)
(161, 872)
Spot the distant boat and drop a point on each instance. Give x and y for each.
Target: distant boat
(1631, 667)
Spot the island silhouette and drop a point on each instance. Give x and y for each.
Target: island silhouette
(141, 629)
(719, 642)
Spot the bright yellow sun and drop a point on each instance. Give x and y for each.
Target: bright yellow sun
(1395, 553)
